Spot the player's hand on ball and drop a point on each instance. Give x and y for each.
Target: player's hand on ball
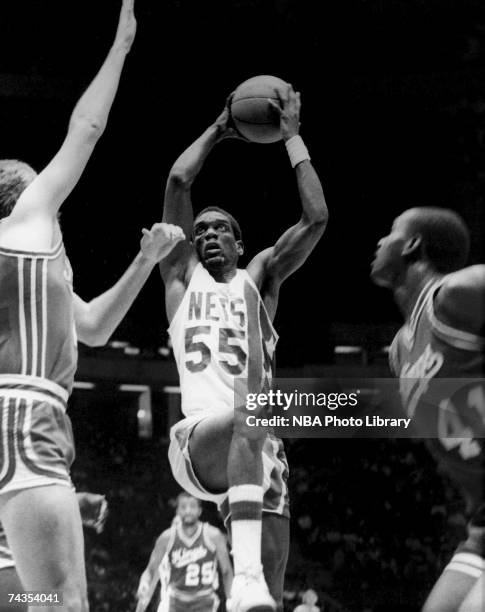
(288, 111)
(158, 241)
(125, 34)
(225, 124)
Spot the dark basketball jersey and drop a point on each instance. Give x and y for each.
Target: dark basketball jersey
(430, 358)
(37, 334)
(189, 568)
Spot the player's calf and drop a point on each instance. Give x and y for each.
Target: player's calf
(44, 530)
(245, 476)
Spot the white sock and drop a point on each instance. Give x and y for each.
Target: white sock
(246, 506)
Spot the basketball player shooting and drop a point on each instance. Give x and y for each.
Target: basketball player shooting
(185, 560)
(443, 303)
(40, 320)
(221, 329)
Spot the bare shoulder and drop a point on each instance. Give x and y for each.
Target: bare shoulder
(176, 277)
(460, 302)
(258, 265)
(268, 285)
(178, 264)
(164, 537)
(27, 233)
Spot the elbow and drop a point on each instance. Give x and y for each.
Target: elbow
(317, 223)
(320, 222)
(89, 128)
(179, 177)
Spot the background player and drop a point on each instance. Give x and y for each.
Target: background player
(185, 560)
(308, 602)
(221, 328)
(38, 323)
(94, 511)
(422, 261)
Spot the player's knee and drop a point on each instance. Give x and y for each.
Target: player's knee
(249, 426)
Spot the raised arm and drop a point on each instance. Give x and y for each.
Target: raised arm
(224, 560)
(176, 268)
(42, 199)
(177, 208)
(150, 577)
(276, 263)
(96, 320)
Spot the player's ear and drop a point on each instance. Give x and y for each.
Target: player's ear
(240, 247)
(412, 247)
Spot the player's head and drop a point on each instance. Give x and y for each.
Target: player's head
(217, 238)
(189, 508)
(309, 597)
(437, 237)
(15, 176)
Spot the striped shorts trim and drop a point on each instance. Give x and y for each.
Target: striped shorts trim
(33, 388)
(36, 444)
(275, 470)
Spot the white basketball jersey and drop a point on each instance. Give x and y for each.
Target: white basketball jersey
(221, 331)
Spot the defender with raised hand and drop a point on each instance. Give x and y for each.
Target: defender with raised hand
(38, 507)
(221, 329)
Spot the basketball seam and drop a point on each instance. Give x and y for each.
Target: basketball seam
(254, 98)
(254, 122)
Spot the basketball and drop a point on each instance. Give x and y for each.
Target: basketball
(252, 114)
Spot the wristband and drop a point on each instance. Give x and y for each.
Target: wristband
(297, 150)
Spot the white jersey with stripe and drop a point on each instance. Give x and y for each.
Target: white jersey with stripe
(220, 332)
(449, 414)
(38, 346)
(188, 569)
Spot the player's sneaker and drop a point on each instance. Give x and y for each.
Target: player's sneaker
(250, 593)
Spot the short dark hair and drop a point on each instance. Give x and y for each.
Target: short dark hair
(446, 238)
(186, 494)
(236, 230)
(15, 176)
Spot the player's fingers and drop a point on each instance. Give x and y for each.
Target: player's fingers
(276, 107)
(146, 232)
(289, 92)
(229, 99)
(280, 96)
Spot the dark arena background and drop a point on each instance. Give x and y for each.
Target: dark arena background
(393, 107)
